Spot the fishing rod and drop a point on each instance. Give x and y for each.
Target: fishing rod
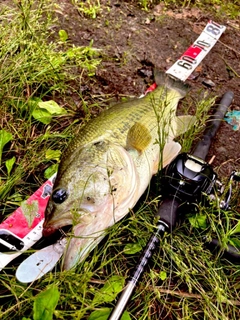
(188, 177)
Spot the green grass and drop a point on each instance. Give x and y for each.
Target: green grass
(36, 65)
(228, 8)
(185, 280)
(88, 8)
(197, 285)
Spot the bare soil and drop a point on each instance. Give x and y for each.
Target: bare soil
(133, 42)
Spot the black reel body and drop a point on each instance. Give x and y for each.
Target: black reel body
(188, 177)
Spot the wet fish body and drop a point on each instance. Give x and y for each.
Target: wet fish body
(109, 164)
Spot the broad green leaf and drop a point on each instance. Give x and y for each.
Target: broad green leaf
(104, 313)
(235, 242)
(5, 137)
(101, 314)
(33, 103)
(163, 275)
(132, 248)
(110, 290)
(44, 110)
(42, 115)
(45, 303)
(198, 221)
(63, 35)
(125, 316)
(50, 170)
(236, 228)
(53, 154)
(39, 114)
(9, 164)
(52, 107)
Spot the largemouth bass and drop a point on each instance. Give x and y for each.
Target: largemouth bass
(109, 164)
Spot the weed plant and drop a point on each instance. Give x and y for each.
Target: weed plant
(228, 7)
(184, 280)
(36, 63)
(89, 8)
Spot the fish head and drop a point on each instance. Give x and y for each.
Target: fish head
(99, 182)
(91, 195)
(77, 197)
(82, 188)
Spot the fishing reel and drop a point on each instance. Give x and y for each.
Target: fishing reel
(188, 177)
(192, 179)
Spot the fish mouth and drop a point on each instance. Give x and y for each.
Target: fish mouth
(50, 226)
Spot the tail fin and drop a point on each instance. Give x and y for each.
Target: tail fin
(181, 125)
(166, 80)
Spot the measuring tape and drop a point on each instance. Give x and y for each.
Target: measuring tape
(23, 228)
(192, 57)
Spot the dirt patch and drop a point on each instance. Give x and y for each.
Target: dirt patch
(134, 42)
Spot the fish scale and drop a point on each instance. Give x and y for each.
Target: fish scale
(115, 122)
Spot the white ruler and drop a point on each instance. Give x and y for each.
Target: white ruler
(191, 58)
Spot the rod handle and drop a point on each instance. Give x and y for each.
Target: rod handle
(167, 212)
(230, 252)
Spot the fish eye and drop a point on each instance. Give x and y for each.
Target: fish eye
(59, 195)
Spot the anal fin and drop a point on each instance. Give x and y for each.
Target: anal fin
(170, 151)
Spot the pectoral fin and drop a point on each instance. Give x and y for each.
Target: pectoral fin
(138, 137)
